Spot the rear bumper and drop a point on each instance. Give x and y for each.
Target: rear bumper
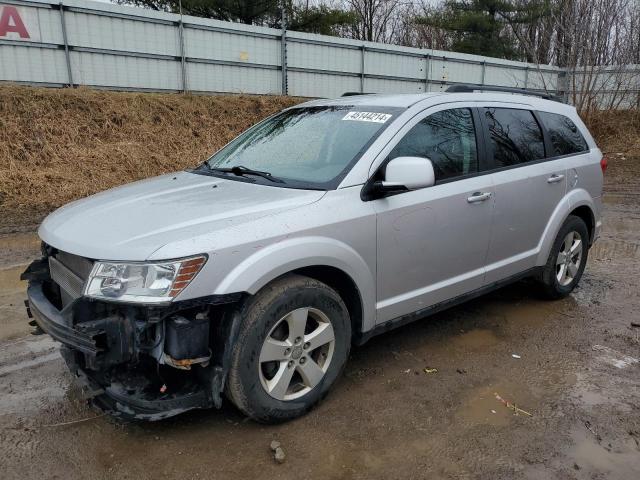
(597, 224)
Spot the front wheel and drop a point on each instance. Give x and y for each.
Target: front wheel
(293, 342)
(567, 259)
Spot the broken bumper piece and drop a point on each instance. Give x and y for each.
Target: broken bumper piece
(120, 405)
(136, 399)
(51, 321)
(137, 362)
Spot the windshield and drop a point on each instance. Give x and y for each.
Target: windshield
(311, 147)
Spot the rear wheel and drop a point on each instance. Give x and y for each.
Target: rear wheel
(567, 259)
(293, 342)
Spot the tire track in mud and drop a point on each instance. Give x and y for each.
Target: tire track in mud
(26, 353)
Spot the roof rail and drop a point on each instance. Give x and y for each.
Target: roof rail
(469, 88)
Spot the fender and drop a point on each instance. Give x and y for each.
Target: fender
(267, 264)
(575, 198)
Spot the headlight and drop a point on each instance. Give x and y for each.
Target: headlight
(142, 282)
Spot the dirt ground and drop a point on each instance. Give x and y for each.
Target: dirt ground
(576, 374)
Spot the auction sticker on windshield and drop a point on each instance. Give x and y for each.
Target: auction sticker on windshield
(367, 117)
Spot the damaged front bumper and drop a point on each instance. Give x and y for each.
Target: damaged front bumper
(135, 361)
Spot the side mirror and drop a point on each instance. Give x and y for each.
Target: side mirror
(410, 173)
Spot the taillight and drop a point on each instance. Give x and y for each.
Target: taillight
(604, 163)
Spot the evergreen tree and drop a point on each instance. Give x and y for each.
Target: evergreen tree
(322, 19)
(481, 27)
(314, 19)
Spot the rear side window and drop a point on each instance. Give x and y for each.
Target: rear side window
(447, 138)
(565, 136)
(515, 136)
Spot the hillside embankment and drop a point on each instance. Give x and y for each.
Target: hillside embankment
(58, 145)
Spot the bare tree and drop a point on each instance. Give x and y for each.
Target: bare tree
(596, 46)
(414, 33)
(377, 20)
(594, 41)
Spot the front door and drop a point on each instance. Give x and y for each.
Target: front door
(432, 243)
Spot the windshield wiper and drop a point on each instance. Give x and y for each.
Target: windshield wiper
(242, 170)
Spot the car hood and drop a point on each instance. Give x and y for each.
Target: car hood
(133, 221)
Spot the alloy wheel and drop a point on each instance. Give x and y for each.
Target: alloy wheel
(569, 258)
(296, 353)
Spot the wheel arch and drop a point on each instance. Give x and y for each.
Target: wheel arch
(327, 260)
(586, 214)
(577, 202)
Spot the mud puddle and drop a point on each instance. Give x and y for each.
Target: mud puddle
(486, 405)
(16, 251)
(602, 459)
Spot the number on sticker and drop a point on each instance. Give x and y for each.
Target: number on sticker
(367, 117)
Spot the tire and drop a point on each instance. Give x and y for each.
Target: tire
(267, 349)
(555, 285)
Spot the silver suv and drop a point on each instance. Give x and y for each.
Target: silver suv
(321, 226)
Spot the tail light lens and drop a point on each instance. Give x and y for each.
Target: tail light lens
(604, 163)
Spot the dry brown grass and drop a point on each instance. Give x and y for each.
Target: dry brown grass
(615, 130)
(60, 145)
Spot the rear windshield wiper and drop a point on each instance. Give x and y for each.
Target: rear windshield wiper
(242, 170)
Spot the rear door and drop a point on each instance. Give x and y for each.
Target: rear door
(528, 188)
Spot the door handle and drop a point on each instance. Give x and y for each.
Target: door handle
(555, 178)
(479, 197)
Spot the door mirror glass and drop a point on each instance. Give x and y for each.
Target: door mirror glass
(411, 173)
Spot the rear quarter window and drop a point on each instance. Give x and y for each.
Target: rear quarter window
(565, 136)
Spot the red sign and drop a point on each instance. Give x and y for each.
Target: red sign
(11, 23)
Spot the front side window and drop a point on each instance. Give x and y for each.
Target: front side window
(515, 136)
(312, 147)
(565, 136)
(447, 138)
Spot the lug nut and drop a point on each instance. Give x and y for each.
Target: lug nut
(290, 364)
(298, 340)
(302, 360)
(287, 351)
(306, 345)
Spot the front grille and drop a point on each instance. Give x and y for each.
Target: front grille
(68, 281)
(70, 273)
(79, 265)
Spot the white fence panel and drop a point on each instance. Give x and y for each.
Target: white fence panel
(81, 42)
(122, 72)
(127, 35)
(47, 28)
(322, 57)
(206, 77)
(231, 47)
(383, 85)
(308, 84)
(396, 63)
(38, 65)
